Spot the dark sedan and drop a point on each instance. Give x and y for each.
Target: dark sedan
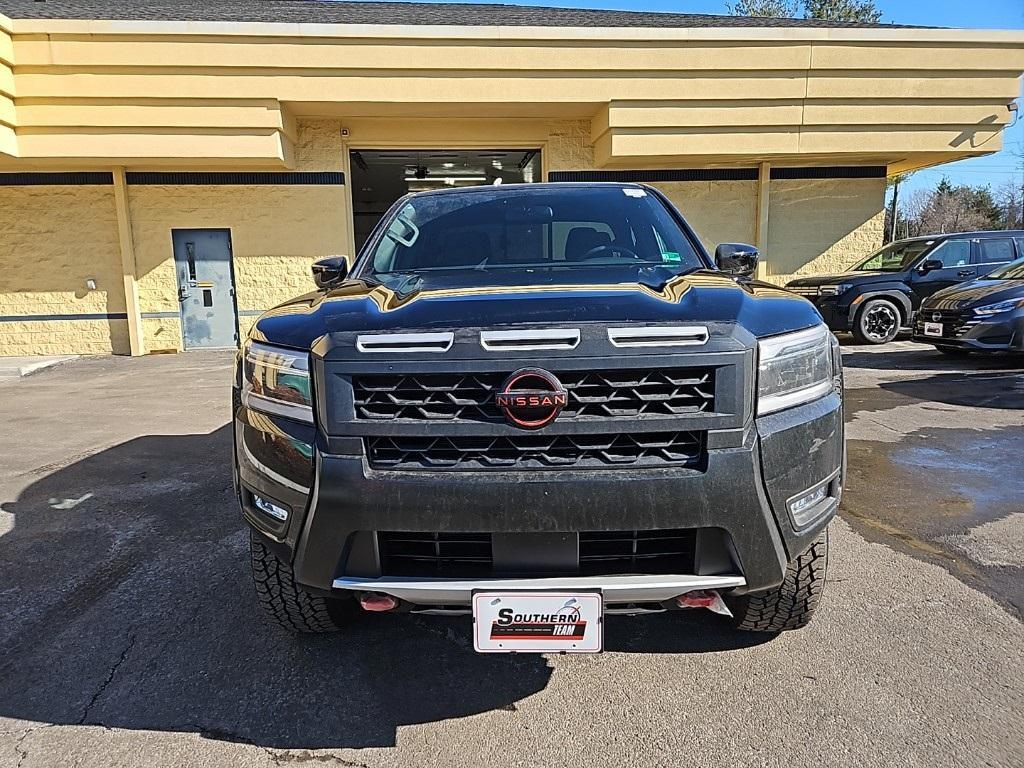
(985, 315)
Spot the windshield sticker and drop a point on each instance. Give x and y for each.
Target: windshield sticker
(634, 192)
(671, 257)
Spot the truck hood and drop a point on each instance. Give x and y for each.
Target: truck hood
(976, 293)
(854, 278)
(538, 298)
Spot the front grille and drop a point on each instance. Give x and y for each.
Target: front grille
(452, 555)
(619, 552)
(954, 323)
(609, 394)
(537, 451)
(601, 553)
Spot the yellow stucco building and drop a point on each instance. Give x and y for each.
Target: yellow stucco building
(279, 130)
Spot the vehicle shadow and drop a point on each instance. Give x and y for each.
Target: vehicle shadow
(127, 601)
(1003, 389)
(924, 357)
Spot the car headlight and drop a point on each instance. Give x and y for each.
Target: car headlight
(276, 380)
(796, 368)
(1002, 306)
(834, 290)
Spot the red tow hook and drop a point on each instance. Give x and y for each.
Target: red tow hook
(377, 603)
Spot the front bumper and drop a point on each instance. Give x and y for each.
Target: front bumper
(971, 333)
(616, 590)
(742, 491)
(837, 317)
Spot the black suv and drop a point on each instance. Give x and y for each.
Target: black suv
(539, 403)
(879, 296)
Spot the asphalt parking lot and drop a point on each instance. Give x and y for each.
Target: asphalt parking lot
(130, 635)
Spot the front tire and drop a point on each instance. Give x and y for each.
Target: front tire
(285, 602)
(878, 322)
(792, 604)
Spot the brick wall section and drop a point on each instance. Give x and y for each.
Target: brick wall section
(277, 232)
(52, 239)
(718, 211)
(822, 226)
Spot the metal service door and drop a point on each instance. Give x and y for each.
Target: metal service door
(206, 287)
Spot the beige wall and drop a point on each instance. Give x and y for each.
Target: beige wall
(718, 211)
(276, 234)
(822, 226)
(52, 239)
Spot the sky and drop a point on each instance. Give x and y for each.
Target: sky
(994, 170)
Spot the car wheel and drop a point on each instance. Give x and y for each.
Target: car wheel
(286, 603)
(953, 351)
(878, 322)
(792, 604)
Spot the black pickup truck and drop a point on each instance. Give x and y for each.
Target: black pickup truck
(539, 404)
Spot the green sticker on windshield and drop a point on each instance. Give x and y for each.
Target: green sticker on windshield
(670, 257)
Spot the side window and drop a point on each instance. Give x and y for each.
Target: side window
(995, 250)
(952, 253)
(1020, 246)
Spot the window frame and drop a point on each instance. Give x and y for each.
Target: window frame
(976, 258)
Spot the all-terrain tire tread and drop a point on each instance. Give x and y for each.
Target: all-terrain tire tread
(285, 602)
(792, 604)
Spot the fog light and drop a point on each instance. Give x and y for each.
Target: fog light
(276, 512)
(802, 507)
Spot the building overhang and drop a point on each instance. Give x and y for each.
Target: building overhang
(227, 94)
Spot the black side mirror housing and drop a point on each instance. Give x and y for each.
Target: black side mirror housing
(929, 264)
(328, 272)
(736, 259)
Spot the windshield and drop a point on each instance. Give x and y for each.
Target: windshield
(895, 257)
(480, 237)
(1012, 271)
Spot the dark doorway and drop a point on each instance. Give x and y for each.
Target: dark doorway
(379, 177)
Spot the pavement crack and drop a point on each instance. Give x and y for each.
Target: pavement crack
(286, 757)
(23, 753)
(110, 677)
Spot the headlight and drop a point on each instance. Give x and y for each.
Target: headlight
(834, 290)
(1002, 306)
(276, 381)
(795, 368)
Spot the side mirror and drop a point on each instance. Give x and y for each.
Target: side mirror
(330, 271)
(737, 259)
(929, 264)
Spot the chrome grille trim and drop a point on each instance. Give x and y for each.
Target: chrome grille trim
(530, 339)
(405, 342)
(659, 336)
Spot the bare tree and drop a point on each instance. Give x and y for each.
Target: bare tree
(951, 209)
(1010, 199)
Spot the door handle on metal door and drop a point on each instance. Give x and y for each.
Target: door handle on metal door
(965, 273)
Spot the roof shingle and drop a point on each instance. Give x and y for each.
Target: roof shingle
(405, 13)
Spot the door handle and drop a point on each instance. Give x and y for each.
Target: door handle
(965, 273)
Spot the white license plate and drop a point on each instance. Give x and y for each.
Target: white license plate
(933, 329)
(538, 622)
